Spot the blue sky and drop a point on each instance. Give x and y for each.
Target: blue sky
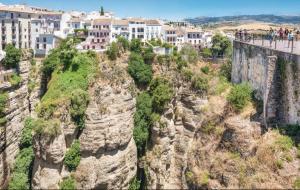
(172, 9)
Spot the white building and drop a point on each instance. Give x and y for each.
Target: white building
(137, 29)
(22, 26)
(119, 28)
(194, 37)
(153, 30)
(169, 35)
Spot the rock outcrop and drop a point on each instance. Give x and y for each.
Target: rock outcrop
(17, 110)
(108, 151)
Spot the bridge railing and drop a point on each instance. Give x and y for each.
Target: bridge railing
(266, 40)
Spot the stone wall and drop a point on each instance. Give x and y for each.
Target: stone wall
(274, 77)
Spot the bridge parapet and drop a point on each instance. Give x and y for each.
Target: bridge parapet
(275, 77)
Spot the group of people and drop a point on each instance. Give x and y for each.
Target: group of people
(242, 35)
(283, 34)
(272, 35)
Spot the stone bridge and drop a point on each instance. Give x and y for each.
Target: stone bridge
(273, 74)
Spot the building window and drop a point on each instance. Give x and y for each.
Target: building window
(36, 30)
(44, 45)
(94, 47)
(37, 39)
(44, 40)
(11, 15)
(37, 46)
(133, 30)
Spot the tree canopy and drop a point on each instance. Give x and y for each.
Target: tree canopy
(221, 46)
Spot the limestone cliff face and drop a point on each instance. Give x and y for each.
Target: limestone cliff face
(108, 151)
(109, 154)
(17, 110)
(172, 138)
(200, 143)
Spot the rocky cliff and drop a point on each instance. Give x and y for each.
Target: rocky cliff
(17, 109)
(200, 142)
(108, 152)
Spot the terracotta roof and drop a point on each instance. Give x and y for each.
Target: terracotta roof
(136, 20)
(27, 9)
(120, 22)
(102, 20)
(193, 30)
(166, 27)
(152, 22)
(75, 19)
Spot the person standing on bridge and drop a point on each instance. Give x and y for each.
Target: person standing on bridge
(290, 38)
(281, 34)
(286, 33)
(271, 36)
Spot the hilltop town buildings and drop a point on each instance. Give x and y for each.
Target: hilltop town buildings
(41, 29)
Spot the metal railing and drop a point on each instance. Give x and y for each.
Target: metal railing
(273, 42)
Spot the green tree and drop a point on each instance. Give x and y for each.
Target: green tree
(113, 51)
(136, 46)
(102, 11)
(148, 55)
(13, 56)
(123, 42)
(221, 46)
(142, 120)
(206, 53)
(135, 184)
(162, 93)
(140, 72)
(73, 156)
(79, 103)
(199, 83)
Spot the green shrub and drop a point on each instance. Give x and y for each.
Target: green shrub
(225, 70)
(15, 80)
(200, 84)
(24, 160)
(13, 56)
(187, 74)
(297, 183)
(161, 92)
(142, 120)
(285, 143)
(73, 156)
(135, 184)
(68, 184)
(181, 63)
(124, 43)
(26, 136)
(140, 72)
(206, 53)
(279, 164)
(148, 55)
(205, 69)
(22, 169)
(49, 128)
(239, 96)
(136, 46)
(79, 103)
(19, 181)
(113, 51)
(3, 103)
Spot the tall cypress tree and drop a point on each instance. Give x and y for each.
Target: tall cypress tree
(102, 11)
